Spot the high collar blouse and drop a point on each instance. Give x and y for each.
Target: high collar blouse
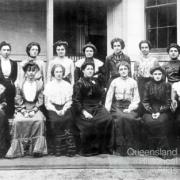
(123, 89)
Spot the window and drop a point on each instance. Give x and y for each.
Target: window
(161, 22)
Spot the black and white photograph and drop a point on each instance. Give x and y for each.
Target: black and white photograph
(89, 89)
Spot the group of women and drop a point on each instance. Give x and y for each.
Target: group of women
(89, 107)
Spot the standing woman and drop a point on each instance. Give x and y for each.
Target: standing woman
(89, 51)
(8, 75)
(157, 101)
(172, 68)
(33, 49)
(61, 58)
(122, 100)
(58, 100)
(91, 118)
(143, 65)
(4, 125)
(113, 60)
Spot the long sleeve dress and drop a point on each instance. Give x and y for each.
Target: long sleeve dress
(58, 96)
(4, 125)
(157, 98)
(28, 131)
(8, 75)
(96, 134)
(123, 94)
(99, 69)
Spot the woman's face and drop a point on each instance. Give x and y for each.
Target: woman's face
(5, 51)
(34, 51)
(123, 71)
(31, 72)
(61, 51)
(88, 71)
(145, 49)
(173, 53)
(157, 75)
(117, 47)
(58, 73)
(89, 52)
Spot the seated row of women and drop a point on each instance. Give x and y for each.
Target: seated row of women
(77, 121)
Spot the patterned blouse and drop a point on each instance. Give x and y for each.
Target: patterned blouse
(123, 89)
(143, 65)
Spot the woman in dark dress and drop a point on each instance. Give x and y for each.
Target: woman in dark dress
(58, 100)
(4, 126)
(8, 75)
(94, 123)
(172, 67)
(157, 101)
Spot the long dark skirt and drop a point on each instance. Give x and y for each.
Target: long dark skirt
(59, 134)
(157, 131)
(10, 93)
(96, 134)
(141, 81)
(4, 134)
(126, 128)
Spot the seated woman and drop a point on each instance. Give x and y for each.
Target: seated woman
(58, 100)
(28, 126)
(4, 126)
(92, 119)
(157, 101)
(122, 100)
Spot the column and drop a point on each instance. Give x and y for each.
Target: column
(178, 21)
(50, 29)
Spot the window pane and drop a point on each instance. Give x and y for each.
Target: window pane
(172, 35)
(172, 1)
(162, 38)
(152, 37)
(150, 2)
(172, 15)
(162, 1)
(162, 16)
(151, 18)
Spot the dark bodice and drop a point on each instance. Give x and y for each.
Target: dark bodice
(111, 65)
(173, 71)
(157, 96)
(87, 91)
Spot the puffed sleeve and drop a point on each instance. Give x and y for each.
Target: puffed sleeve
(135, 99)
(146, 99)
(167, 98)
(109, 96)
(77, 98)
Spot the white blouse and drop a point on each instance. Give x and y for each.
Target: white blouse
(176, 87)
(123, 89)
(30, 90)
(59, 93)
(6, 67)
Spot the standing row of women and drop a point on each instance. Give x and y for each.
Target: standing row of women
(76, 120)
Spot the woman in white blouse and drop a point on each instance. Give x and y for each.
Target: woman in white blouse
(58, 100)
(61, 58)
(122, 101)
